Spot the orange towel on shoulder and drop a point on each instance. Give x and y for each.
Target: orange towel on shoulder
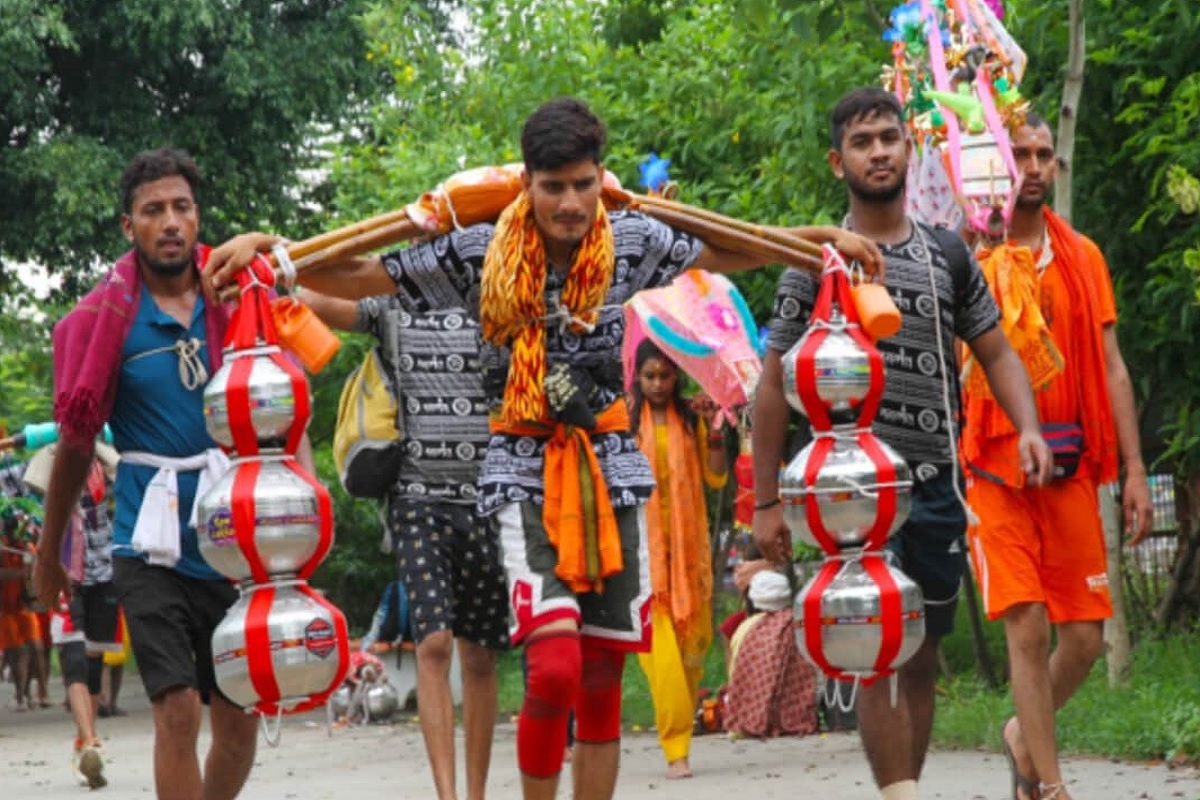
(989, 439)
(1013, 278)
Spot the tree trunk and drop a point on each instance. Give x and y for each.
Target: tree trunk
(1072, 91)
(1184, 574)
(1116, 629)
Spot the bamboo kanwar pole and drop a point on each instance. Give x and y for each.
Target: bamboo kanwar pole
(728, 238)
(306, 247)
(729, 233)
(768, 233)
(363, 242)
(346, 242)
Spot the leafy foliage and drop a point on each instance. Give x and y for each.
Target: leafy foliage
(741, 113)
(246, 87)
(1137, 122)
(1157, 716)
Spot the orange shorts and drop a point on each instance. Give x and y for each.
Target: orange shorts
(41, 628)
(1042, 545)
(17, 628)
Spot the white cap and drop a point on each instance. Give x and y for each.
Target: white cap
(769, 591)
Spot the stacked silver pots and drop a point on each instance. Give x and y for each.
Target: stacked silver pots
(267, 524)
(847, 492)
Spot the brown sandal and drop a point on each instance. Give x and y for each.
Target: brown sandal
(1049, 791)
(1020, 783)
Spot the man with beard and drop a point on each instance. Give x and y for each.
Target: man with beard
(136, 352)
(917, 416)
(1040, 553)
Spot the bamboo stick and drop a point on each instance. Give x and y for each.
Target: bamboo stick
(351, 240)
(769, 233)
(364, 242)
(730, 233)
(734, 239)
(305, 247)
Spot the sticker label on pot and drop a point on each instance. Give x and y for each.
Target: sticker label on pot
(220, 530)
(319, 637)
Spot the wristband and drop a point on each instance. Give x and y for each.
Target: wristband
(768, 504)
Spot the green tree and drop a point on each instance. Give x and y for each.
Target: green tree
(734, 92)
(251, 88)
(1136, 125)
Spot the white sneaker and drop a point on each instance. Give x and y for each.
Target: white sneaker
(88, 765)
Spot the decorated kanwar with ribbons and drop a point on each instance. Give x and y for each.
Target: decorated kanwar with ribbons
(956, 71)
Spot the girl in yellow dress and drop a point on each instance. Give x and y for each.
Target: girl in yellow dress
(685, 454)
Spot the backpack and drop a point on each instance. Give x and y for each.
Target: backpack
(395, 624)
(367, 442)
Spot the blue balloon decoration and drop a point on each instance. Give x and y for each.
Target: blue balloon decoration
(654, 172)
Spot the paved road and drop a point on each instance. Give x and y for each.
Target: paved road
(388, 762)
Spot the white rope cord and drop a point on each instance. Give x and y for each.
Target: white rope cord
(450, 207)
(841, 325)
(842, 433)
(861, 489)
(833, 695)
(271, 733)
(563, 318)
(253, 283)
(192, 372)
(286, 265)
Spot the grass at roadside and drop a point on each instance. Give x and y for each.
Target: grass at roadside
(637, 709)
(1156, 716)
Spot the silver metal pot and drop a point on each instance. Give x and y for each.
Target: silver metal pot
(843, 370)
(339, 701)
(272, 399)
(383, 701)
(850, 619)
(287, 520)
(846, 491)
(303, 638)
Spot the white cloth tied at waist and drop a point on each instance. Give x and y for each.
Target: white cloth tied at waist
(156, 531)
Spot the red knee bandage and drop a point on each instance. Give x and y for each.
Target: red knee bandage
(598, 709)
(551, 685)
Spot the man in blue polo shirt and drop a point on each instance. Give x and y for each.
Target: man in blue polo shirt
(136, 352)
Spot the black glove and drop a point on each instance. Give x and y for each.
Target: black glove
(568, 392)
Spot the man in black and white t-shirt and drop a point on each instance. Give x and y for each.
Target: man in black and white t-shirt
(920, 371)
(917, 416)
(446, 553)
(563, 477)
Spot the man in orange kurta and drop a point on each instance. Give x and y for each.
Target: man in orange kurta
(1039, 553)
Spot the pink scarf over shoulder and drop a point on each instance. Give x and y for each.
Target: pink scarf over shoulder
(88, 343)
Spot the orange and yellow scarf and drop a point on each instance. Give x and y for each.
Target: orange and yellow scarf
(986, 420)
(513, 305)
(1010, 271)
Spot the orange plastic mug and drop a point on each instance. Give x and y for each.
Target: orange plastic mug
(302, 332)
(877, 313)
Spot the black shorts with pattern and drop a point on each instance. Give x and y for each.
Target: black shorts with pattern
(449, 561)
